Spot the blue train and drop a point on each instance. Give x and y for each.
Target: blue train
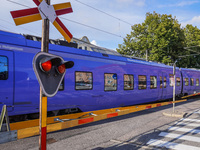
(97, 80)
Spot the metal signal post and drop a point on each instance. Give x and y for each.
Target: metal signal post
(43, 98)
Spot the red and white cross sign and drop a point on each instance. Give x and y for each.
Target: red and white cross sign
(45, 11)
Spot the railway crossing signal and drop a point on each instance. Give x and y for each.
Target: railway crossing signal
(45, 11)
(50, 70)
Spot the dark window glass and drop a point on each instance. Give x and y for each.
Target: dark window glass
(186, 82)
(61, 88)
(165, 82)
(197, 82)
(191, 81)
(110, 81)
(128, 82)
(84, 80)
(161, 82)
(178, 81)
(3, 68)
(153, 82)
(142, 82)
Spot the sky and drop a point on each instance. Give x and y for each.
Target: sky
(113, 17)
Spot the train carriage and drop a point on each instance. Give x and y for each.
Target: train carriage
(97, 80)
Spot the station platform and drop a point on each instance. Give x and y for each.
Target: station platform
(136, 130)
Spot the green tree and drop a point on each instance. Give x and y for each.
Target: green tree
(192, 40)
(192, 35)
(161, 35)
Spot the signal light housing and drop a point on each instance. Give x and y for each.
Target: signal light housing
(50, 70)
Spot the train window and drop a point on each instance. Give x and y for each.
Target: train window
(171, 80)
(186, 82)
(84, 80)
(197, 82)
(178, 81)
(128, 82)
(161, 82)
(142, 82)
(110, 81)
(153, 82)
(165, 82)
(3, 68)
(191, 81)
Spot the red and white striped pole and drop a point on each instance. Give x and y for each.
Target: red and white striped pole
(43, 121)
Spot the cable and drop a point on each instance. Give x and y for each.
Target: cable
(75, 22)
(17, 3)
(188, 48)
(4, 27)
(103, 12)
(188, 55)
(92, 27)
(20, 27)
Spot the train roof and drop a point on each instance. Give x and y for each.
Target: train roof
(21, 40)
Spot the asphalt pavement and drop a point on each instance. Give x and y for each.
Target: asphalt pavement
(148, 129)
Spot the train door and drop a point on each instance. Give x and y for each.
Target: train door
(6, 79)
(165, 82)
(162, 85)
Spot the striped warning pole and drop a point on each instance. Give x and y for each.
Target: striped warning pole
(43, 122)
(43, 99)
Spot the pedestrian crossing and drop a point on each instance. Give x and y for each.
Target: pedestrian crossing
(171, 145)
(182, 135)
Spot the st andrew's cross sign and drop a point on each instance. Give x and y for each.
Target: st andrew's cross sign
(45, 11)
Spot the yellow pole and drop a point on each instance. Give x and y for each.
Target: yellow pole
(43, 121)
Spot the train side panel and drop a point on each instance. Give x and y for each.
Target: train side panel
(190, 81)
(95, 82)
(27, 88)
(7, 79)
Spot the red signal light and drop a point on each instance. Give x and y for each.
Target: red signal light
(46, 66)
(61, 69)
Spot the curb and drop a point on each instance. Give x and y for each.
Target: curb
(176, 114)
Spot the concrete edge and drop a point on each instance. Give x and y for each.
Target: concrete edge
(175, 114)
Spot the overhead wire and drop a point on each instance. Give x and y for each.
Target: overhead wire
(4, 27)
(103, 12)
(92, 27)
(17, 3)
(188, 48)
(19, 26)
(74, 21)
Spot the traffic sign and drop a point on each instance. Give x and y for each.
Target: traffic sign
(44, 11)
(50, 70)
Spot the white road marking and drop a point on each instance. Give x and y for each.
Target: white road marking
(175, 146)
(196, 131)
(187, 124)
(190, 120)
(197, 112)
(180, 136)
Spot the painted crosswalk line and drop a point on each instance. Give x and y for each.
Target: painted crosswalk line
(170, 145)
(180, 136)
(190, 120)
(196, 131)
(187, 124)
